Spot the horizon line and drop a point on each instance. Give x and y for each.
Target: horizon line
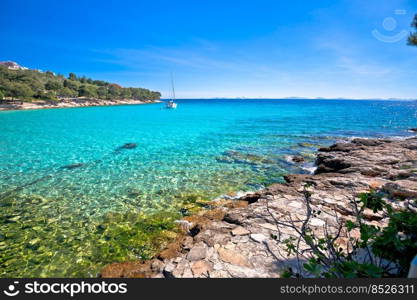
(289, 98)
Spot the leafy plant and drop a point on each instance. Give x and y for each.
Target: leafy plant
(377, 252)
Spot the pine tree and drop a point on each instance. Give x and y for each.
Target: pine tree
(412, 38)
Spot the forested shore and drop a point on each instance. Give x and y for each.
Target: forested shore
(28, 85)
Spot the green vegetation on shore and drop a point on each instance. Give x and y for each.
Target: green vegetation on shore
(376, 251)
(412, 38)
(28, 85)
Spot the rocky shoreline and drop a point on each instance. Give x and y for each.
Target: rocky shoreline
(241, 237)
(67, 103)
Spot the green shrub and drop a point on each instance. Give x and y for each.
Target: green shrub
(386, 252)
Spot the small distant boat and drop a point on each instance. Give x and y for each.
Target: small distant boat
(171, 104)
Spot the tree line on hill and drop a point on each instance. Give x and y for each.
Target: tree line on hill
(28, 85)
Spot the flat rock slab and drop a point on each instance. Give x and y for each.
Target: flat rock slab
(258, 237)
(201, 267)
(233, 257)
(198, 252)
(240, 231)
(269, 226)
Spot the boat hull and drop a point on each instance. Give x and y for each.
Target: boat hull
(171, 105)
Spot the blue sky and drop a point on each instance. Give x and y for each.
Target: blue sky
(270, 49)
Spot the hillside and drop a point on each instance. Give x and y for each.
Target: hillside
(27, 85)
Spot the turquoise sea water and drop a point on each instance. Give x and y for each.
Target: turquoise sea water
(51, 218)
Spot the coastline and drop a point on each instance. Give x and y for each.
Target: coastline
(71, 103)
(235, 237)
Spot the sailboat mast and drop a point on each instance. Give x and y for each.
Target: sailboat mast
(173, 89)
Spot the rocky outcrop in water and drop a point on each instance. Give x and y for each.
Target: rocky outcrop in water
(238, 238)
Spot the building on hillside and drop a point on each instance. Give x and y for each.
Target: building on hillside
(11, 65)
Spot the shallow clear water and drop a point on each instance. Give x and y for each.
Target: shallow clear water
(51, 218)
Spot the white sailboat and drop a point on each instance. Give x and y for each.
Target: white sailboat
(171, 103)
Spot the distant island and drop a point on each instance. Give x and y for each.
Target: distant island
(24, 88)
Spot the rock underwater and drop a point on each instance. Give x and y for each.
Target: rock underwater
(73, 166)
(126, 146)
